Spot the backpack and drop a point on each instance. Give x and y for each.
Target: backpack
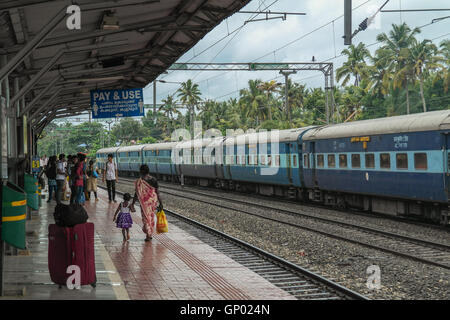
(50, 172)
(69, 215)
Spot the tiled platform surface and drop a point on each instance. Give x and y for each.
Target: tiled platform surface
(173, 266)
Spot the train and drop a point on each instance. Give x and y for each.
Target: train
(396, 165)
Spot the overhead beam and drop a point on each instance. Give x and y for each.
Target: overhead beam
(24, 90)
(32, 44)
(41, 94)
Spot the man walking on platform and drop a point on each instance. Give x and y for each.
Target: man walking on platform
(111, 174)
(60, 176)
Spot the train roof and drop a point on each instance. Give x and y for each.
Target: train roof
(426, 121)
(108, 150)
(160, 146)
(266, 137)
(211, 142)
(137, 147)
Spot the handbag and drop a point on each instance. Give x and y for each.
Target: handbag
(161, 222)
(94, 173)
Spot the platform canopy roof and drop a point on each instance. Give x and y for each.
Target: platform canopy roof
(121, 44)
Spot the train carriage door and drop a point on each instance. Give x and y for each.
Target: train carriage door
(446, 149)
(313, 162)
(289, 162)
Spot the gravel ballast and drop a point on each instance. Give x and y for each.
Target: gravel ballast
(334, 259)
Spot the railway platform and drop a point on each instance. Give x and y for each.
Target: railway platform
(173, 266)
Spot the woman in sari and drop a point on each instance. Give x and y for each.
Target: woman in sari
(147, 194)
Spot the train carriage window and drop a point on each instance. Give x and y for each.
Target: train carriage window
(263, 160)
(370, 160)
(331, 161)
(320, 161)
(356, 161)
(305, 161)
(385, 161)
(420, 161)
(269, 160)
(342, 161)
(277, 160)
(294, 161)
(402, 160)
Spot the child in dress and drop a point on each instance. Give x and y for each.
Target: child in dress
(124, 220)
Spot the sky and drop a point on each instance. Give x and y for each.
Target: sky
(296, 39)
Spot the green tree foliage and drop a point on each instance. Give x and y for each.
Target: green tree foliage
(128, 130)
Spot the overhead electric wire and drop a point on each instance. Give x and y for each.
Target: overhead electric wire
(229, 33)
(286, 45)
(305, 35)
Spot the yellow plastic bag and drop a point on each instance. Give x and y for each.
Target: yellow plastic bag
(161, 222)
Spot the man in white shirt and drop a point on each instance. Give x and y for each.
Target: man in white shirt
(111, 174)
(60, 176)
(43, 162)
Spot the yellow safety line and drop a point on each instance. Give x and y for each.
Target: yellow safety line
(19, 203)
(14, 218)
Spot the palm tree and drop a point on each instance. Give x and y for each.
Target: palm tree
(169, 109)
(423, 56)
(379, 75)
(396, 54)
(252, 101)
(355, 65)
(445, 71)
(189, 95)
(269, 87)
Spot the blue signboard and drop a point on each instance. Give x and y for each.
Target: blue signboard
(117, 103)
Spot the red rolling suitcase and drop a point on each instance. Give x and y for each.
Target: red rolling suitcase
(71, 246)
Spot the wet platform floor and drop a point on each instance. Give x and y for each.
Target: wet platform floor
(173, 266)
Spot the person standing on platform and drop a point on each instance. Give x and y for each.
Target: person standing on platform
(50, 172)
(60, 176)
(147, 194)
(111, 175)
(79, 179)
(72, 177)
(92, 174)
(43, 162)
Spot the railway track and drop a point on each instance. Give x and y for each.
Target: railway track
(299, 282)
(427, 252)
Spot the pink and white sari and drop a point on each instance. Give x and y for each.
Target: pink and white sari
(149, 202)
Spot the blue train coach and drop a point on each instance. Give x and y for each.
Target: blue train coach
(397, 165)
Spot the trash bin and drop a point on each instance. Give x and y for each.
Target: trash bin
(31, 189)
(14, 214)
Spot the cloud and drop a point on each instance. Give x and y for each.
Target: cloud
(259, 39)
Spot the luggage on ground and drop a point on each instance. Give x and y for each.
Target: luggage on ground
(71, 246)
(69, 215)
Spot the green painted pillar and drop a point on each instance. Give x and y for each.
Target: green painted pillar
(31, 189)
(14, 213)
